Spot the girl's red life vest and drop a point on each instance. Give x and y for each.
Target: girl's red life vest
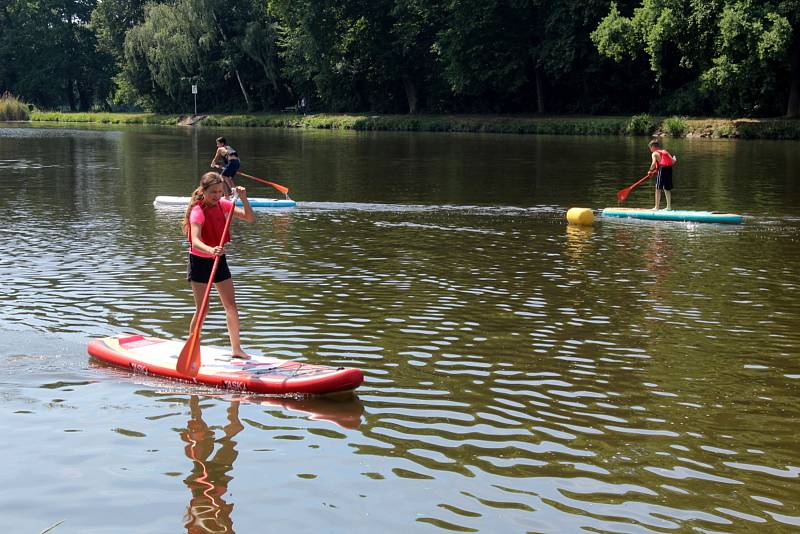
(664, 159)
(214, 223)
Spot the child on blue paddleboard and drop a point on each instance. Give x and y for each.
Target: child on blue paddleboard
(662, 161)
(231, 163)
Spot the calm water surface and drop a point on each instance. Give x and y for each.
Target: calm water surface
(521, 375)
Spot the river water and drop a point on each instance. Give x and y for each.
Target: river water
(521, 375)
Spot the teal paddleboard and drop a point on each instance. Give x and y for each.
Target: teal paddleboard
(675, 215)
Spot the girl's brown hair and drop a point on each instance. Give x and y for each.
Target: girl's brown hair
(206, 181)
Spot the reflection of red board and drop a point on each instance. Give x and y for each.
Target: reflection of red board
(261, 374)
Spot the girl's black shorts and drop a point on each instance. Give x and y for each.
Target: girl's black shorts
(199, 269)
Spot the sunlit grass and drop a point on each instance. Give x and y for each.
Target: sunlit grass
(12, 108)
(642, 124)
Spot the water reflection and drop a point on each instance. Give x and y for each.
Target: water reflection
(208, 510)
(212, 451)
(521, 377)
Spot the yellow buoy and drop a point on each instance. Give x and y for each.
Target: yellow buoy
(581, 216)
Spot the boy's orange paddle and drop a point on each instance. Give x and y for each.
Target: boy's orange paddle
(282, 189)
(622, 194)
(189, 358)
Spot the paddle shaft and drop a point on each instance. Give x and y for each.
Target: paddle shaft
(282, 189)
(189, 359)
(622, 194)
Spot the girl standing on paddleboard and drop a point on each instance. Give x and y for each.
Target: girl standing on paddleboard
(203, 223)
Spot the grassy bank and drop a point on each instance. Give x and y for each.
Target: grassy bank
(564, 125)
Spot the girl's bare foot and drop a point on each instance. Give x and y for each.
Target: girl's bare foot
(240, 354)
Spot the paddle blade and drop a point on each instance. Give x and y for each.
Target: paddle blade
(622, 194)
(282, 189)
(189, 358)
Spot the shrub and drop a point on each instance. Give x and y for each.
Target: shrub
(641, 125)
(675, 126)
(13, 109)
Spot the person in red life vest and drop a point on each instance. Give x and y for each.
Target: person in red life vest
(203, 223)
(662, 161)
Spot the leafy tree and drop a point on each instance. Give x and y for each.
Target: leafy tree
(726, 56)
(226, 47)
(48, 53)
(361, 54)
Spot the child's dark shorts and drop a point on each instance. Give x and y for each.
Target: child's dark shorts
(199, 269)
(664, 178)
(231, 168)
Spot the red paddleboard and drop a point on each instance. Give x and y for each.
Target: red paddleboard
(261, 374)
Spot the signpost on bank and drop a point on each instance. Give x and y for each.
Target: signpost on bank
(194, 92)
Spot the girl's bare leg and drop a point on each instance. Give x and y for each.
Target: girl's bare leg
(199, 290)
(227, 295)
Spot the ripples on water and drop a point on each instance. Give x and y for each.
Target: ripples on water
(521, 375)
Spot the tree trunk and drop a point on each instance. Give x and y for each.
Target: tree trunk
(244, 91)
(411, 94)
(539, 91)
(793, 107)
(235, 70)
(71, 94)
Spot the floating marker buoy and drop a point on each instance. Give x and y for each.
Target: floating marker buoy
(581, 216)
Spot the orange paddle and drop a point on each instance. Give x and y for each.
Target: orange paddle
(282, 189)
(622, 194)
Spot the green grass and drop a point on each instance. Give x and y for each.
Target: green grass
(642, 124)
(674, 126)
(104, 118)
(13, 109)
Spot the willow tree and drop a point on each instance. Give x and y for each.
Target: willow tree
(228, 48)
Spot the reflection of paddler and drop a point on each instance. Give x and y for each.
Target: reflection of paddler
(208, 481)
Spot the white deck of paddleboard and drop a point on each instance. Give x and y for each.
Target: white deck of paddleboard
(215, 360)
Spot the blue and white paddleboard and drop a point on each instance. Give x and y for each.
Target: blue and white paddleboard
(254, 202)
(675, 215)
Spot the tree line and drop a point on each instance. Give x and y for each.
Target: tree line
(681, 57)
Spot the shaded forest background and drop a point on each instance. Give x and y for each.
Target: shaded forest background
(682, 57)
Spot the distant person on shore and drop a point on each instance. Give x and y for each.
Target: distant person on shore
(203, 223)
(230, 159)
(662, 162)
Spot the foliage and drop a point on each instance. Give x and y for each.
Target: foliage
(674, 126)
(13, 109)
(642, 124)
(662, 57)
(48, 53)
(732, 55)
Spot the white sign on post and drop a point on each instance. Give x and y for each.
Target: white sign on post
(194, 89)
